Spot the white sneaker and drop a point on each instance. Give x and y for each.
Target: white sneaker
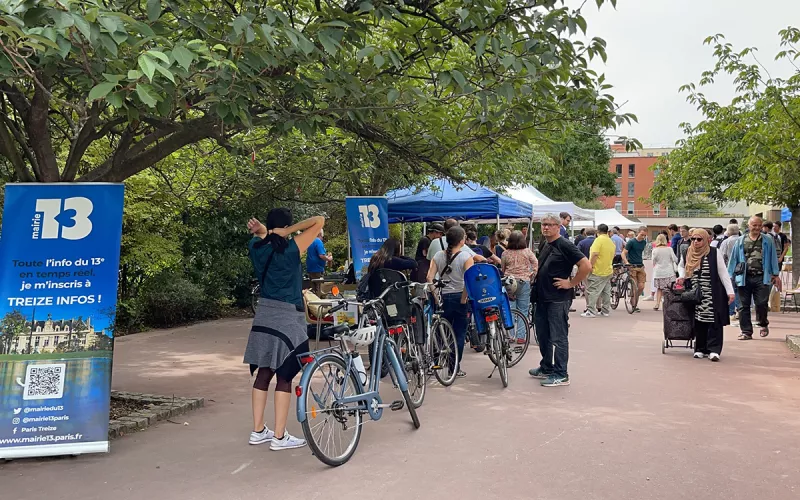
(649, 298)
(605, 315)
(699, 355)
(713, 356)
(588, 314)
(288, 442)
(261, 437)
(735, 323)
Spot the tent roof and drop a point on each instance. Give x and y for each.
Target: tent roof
(469, 201)
(542, 205)
(611, 218)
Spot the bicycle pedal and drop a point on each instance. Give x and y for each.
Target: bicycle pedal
(436, 367)
(397, 405)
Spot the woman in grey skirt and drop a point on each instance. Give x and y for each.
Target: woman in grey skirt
(279, 328)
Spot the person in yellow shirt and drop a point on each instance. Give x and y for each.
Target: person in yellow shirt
(601, 256)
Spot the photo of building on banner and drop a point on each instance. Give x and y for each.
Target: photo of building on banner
(59, 266)
(368, 227)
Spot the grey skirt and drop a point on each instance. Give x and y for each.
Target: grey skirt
(278, 335)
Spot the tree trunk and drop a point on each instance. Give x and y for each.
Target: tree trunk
(795, 242)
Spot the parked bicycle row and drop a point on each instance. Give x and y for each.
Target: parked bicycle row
(413, 331)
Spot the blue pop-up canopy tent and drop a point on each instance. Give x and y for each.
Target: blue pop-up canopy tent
(786, 215)
(469, 201)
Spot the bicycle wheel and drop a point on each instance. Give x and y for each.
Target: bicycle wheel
(615, 293)
(499, 352)
(411, 409)
(631, 293)
(444, 353)
(411, 359)
(331, 429)
(254, 299)
(516, 348)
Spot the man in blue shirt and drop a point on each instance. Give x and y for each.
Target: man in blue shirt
(674, 238)
(586, 244)
(316, 260)
(566, 218)
(633, 255)
(619, 243)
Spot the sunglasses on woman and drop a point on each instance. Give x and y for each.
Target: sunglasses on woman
(696, 239)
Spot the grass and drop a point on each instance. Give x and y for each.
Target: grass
(55, 355)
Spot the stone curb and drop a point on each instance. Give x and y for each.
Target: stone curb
(161, 408)
(793, 341)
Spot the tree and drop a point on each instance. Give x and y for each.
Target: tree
(580, 159)
(749, 149)
(127, 83)
(12, 325)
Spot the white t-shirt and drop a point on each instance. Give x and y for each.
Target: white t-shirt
(440, 244)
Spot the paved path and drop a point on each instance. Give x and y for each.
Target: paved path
(635, 424)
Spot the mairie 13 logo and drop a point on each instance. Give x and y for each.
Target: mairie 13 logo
(66, 219)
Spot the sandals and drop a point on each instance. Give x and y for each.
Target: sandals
(764, 332)
(745, 336)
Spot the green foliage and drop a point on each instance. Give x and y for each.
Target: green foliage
(749, 149)
(12, 325)
(435, 84)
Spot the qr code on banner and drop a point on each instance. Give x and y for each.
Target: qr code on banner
(44, 381)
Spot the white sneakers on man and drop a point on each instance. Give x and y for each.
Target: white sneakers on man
(713, 356)
(699, 355)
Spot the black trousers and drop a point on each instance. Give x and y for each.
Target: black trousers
(754, 291)
(708, 338)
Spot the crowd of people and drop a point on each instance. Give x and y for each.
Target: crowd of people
(732, 271)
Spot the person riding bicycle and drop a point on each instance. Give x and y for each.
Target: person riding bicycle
(450, 264)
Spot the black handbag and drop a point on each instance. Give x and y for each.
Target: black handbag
(692, 295)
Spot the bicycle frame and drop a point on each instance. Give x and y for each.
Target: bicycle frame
(369, 401)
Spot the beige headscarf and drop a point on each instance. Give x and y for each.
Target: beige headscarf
(694, 256)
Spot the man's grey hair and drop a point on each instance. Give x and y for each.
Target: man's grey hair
(551, 218)
(615, 231)
(733, 229)
(590, 231)
(642, 228)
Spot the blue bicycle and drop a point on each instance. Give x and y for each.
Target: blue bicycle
(335, 393)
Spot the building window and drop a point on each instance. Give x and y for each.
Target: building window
(37, 341)
(656, 209)
(649, 155)
(55, 340)
(618, 206)
(619, 189)
(664, 154)
(47, 341)
(632, 170)
(630, 208)
(619, 170)
(631, 189)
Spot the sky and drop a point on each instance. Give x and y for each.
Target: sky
(655, 46)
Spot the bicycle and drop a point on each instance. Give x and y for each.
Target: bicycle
(493, 314)
(624, 287)
(436, 352)
(255, 292)
(343, 400)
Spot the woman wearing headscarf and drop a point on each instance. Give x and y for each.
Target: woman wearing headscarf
(706, 269)
(279, 332)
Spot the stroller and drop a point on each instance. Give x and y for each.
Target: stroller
(678, 320)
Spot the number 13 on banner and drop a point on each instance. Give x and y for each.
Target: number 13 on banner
(70, 216)
(370, 216)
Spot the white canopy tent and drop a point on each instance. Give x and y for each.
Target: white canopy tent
(542, 205)
(609, 217)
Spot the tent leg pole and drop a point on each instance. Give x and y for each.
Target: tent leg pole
(530, 233)
(403, 237)
(498, 222)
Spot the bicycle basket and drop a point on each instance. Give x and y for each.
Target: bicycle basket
(398, 302)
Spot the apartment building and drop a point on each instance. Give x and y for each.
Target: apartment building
(635, 177)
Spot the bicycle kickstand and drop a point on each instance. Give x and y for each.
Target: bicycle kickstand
(493, 370)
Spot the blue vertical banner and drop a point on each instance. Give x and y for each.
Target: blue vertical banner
(368, 227)
(59, 267)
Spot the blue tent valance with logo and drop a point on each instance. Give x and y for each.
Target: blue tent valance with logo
(469, 201)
